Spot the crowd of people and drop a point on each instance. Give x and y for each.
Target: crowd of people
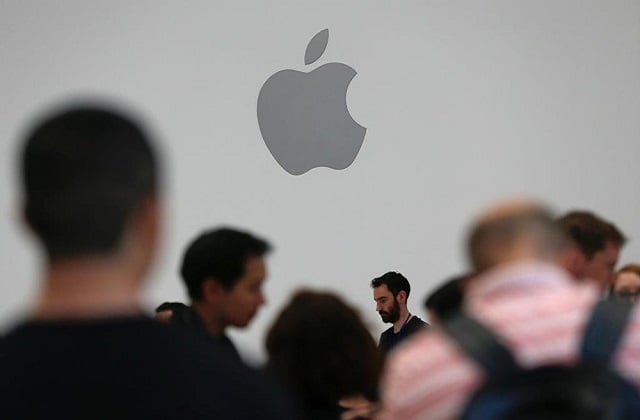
(92, 194)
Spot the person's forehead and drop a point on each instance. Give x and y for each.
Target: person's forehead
(381, 291)
(255, 268)
(628, 277)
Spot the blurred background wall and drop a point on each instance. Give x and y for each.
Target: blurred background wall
(464, 102)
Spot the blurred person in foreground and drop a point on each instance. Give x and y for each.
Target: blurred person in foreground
(320, 349)
(92, 198)
(446, 300)
(537, 309)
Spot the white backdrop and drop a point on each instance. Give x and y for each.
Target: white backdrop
(464, 102)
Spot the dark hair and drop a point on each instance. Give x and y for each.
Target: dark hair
(320, 348)
(506, 229)
(221, 255)
(85, 170)
(589, 232)
(171, 306)
(447, 298)
(394, 281)
(615, 235)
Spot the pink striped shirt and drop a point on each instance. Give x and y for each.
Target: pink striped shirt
(538, 311)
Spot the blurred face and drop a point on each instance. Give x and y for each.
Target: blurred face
(386, 305)
(601, 267)
(627, 285)
(240, 304)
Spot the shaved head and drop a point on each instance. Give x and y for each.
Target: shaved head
(513, 230)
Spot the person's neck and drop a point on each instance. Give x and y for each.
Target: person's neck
(212, 323)
(402, 319)
(90, 287)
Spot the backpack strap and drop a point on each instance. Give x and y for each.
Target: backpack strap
(480, 344)
(602, 334)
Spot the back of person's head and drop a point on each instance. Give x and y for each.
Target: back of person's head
(320, 347)
(514, 231)
(394, 281)
(446, 300)
(172, 312)
(85, 171)
(171, 306)
(220, 255)
(589, 232)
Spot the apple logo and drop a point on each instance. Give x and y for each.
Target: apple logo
(303, 117)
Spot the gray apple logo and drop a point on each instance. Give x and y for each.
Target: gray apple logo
(303, 117)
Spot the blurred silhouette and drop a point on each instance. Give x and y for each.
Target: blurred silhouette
(319, 347)
(446, 300)
(92, 198)
(535, 312)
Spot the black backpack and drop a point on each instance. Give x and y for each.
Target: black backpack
(589, 390)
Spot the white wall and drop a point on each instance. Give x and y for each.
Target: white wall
(464, 101)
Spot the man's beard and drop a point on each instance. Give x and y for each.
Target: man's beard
(393, 315)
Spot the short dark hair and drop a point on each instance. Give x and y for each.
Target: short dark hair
(589, 232)
(394, 281)
(447, 299)
(320, 347)
(171, 306)
(615, 235)
(221, 255)
(84, 171)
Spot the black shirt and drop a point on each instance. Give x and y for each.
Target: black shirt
(126, 368)
(389, 339)
(188, 318)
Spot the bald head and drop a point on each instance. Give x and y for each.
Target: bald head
(513, 231)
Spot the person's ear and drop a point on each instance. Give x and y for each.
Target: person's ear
(573, 261)
(211, 290)
(148, 221)
(141, 235)
(402, 297)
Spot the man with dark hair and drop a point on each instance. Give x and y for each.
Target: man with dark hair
(321, 349)
(223, 270)
(390, 292)
(594, 247)
(92, 199)
(523, 297)
(446, 300)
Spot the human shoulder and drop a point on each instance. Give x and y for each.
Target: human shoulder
(143, 355)
(424, 374)
(416, 324)
(387, 333)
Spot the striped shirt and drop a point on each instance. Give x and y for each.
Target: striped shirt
(536, 309)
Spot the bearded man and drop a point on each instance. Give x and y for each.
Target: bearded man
(390, 292)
